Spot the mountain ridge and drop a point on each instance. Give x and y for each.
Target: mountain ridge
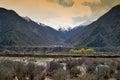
(102, 32)
(20, 31)
(14, 30)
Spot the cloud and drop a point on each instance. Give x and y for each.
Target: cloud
(60, 12)
(64, 3)
(102, 7)
(97, 8)
(80, 19)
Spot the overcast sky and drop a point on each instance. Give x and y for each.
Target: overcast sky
(60, 13)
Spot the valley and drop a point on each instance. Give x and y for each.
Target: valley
(21, 31)
(31, 50)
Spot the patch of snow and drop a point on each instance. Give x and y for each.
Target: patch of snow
(27, 19)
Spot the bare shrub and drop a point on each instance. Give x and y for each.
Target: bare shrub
(72, 63)
(53, 66)
(30, 68)
(6, 70)
(14, 70)
(91, 65)
(75, 71)
(102, 72)
(88, 77)
(60, 74)
(117, 74)
(39, 73)
(78, 71)
(20, 70)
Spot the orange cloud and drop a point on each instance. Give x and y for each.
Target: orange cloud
(92, 1)
(54, 12)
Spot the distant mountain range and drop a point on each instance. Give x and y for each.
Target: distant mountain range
(18, 31)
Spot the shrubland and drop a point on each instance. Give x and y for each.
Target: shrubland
(76, 69)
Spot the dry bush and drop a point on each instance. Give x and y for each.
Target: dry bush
(14, 69)
(39, 73)
(6, 70)
(94, 69)
(35, 72)
(60, 74)
(91, 65)
(78, 71)
(74, 72)
(30, 68)
(88, 77)
(72, 63)
(102, 72)
(53, 66)
(117, 74)
(20, 70)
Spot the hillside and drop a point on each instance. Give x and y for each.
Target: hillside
(18, 31)
(71, 33)
(104, 32)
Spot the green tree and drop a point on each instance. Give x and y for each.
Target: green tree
(82, 50)
(71, 50)
(90, 50)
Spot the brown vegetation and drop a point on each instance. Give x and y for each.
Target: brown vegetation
(76, 68)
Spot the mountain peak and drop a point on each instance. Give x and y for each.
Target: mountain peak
(7, 11)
